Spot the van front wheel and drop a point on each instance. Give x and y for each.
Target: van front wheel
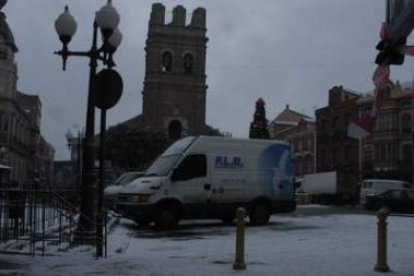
(259, 214)
(166, 218)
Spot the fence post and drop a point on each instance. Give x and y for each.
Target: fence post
(381, 265)
(239, 263)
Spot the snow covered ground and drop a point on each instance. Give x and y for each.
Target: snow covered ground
(299, 244)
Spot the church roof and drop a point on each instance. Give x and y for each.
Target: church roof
(6, 33)
(289, 115)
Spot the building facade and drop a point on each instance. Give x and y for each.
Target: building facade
(299, 131)
(387, 152)
(335, 150)
(20, 116)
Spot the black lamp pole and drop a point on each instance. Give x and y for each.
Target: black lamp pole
(66, 26)
(86, 228)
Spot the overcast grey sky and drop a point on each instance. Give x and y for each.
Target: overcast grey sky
(285, 51)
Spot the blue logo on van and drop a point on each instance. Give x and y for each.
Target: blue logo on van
(276, 162)
(229, 162)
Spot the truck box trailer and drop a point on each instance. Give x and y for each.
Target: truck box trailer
(331, 187)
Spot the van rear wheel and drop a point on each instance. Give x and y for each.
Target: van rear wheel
(259, 214)
(166, 218)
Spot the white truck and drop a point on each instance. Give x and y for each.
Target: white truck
(328, 188)
(210, 177)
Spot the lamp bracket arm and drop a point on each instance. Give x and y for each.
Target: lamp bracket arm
(73, 53)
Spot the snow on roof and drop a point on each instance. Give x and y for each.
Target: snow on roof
(287, 123)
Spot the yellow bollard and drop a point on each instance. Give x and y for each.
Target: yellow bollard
(381, 265)
(239, 263)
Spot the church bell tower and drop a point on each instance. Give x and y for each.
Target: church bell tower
(174, 94)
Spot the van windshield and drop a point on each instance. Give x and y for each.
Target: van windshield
(127, 177)
(180, 146)
(163, 165)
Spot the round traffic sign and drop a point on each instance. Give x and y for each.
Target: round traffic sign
(107, 88)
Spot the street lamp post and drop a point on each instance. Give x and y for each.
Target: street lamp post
(107, 20)
(75, 148)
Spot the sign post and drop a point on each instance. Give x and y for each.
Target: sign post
(108, 91)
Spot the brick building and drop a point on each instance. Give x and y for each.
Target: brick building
(386, 153)
(299, 131)
(335, 150)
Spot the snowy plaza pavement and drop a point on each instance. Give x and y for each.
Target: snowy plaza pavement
(330, 243)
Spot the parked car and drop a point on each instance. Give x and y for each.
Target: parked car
(371, 187)
(395, 200)
(111, 191)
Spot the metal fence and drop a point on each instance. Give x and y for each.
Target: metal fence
(32, 220)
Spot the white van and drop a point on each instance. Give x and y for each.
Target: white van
(209, 177)
(377, 186)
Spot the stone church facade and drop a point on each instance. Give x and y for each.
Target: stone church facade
(174, 92)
